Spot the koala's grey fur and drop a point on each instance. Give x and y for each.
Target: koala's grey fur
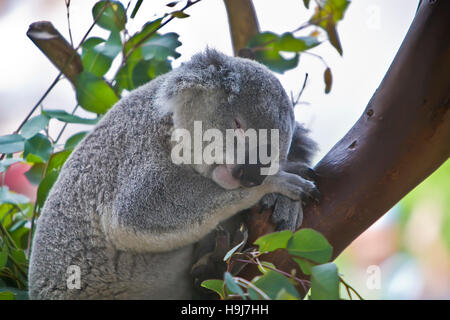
(126, 215)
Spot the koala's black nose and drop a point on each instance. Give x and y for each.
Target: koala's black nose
(249, 175)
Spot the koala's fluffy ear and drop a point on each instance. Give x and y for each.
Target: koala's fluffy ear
(208, 70)
(302, 146)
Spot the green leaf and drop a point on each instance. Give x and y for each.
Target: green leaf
(233, 286)
(35, 173)
(306, 3)
(160, 47)
(11, 143)
(64, 116)
(144, 71)
(98, 55)
(112, 18)
(179, 14)
(18, 255)
(273, 282)
(310, 244)
(173, 3)
(93, 93)
(266, 51)
(19, 294)
(147, 29)
(19, 233)
(90, 43)
(324, 282)
(7, 196)
(215, 285)
(233, 250)
(5, 163)
(38, 149)
(45, 186)
(73, 141)
(124, 77)
(327, 16)
(7, 295)
(3, 255)
(57, 160)
(305, 265)
(34, 125)
(284, 295)
(287, 42)
(273, 241)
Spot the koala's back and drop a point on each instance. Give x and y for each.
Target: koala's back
(69, 231)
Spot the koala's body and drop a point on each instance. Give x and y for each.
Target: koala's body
(122, 219)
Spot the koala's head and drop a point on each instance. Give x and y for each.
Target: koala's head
(214, 91)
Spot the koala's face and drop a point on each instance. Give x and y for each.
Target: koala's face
(240, 102)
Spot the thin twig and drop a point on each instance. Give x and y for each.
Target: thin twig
(295, 102)
(351, 288)
(68, 21)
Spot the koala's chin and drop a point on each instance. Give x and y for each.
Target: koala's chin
(222, 174)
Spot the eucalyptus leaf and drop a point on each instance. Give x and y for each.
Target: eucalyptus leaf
(233, 286)
(73, 141)
(160, 47)
(215, 285)
(11, 143)
(37, 149)
(273, 282)
(324, 282)
(233, 250)
(7, 196)
(34, 125)
(273, 241)
(35, 173)
(6, 163)
(3, 255)
(98, 55)
(64, 116)
(310, 244)
(113, 16)
(93, 93)
(57, 160)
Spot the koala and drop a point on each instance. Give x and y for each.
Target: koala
(122, 220)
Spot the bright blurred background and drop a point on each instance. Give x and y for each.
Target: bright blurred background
(404, 255)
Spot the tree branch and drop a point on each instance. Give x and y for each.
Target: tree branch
(400, 139)
(242, 21)
(56, 48)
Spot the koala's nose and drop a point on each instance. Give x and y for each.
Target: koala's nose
(249, 175)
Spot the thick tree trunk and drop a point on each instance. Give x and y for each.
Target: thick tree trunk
(400, 139)
(242, 22)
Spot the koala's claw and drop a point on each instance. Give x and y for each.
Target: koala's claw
(313, 194)
(309, 174)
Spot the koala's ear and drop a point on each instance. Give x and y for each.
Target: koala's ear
(302, 146)
(208, 70)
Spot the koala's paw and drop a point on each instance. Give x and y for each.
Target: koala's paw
(287, 214)
(293, 186)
